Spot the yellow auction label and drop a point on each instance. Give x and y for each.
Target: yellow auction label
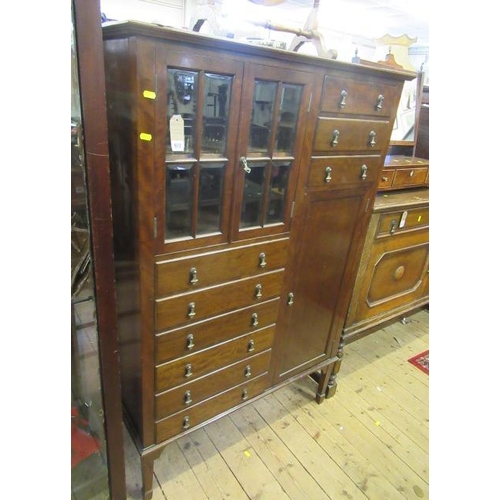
(149, 94)
(145, 137)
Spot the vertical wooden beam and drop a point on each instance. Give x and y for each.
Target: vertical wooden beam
(93, 99)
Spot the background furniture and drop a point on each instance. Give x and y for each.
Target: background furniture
(236, 250)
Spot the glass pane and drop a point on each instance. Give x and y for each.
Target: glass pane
(179, 203)
(181, 110)
(262, 116)
(278, 188)
(290, 102)
(216, 100)
(210, 198)
(251, 211)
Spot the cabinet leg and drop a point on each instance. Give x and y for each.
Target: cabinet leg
(147, 468)
(323, 381)
(332, 382)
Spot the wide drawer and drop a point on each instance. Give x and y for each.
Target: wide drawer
(187, 395)
(410, 177)
(346, 134)
(184, 420)
(336, 170)
(199, 336)
(194, 366)
(403, 220)
(200, 271)
(347, 95)
(193, 306)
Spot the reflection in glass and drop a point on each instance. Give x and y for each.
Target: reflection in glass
(253, 195)
(179, 205)
(290, 102)
(262, 116)
(277, 192)
(210, 198)
(181, 102)
(216, 100)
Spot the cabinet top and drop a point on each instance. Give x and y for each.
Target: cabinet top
(401, 199)
(127, 29)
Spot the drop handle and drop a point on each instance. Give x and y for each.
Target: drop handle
(255, 319)
(364, 172)
(251, 345)
(185, 423)
(187, 398)
(262, 260)
(393, 227)
(328, 174)
(244, 394)
(290, 299)
(248, 371)
(371, 137)
(335, 138)
(258, 291)
(343, 97)
(244, 163)
(190, 341)
(380, 101)
(193, 278)
(191, 310)
(188, 370)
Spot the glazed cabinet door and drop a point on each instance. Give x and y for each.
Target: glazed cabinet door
(197, 112)
(326, 247)
(274, 108)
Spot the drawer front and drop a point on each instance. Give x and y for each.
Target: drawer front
(344, 134)
(200, 271)
(386, 178)
(345, 95)
(190, 394)
(194, 306)
(194, 366)
(326, 172)
(199, 336)
(182, 421)
(403, 220)
(410, 177)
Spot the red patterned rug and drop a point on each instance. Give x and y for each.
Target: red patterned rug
(421, 361)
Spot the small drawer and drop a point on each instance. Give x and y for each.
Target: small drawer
(345, 134)
(200, 271)
(187, 419)
(194, 366)
(351, 96)
(403, 220)
(410, 177)
(326, 172)
(199, 336)
(194, 306)
(386, 178)
(188, 395)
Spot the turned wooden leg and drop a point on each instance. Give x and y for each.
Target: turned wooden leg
(332, 382)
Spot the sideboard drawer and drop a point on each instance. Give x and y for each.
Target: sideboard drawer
(190, 307)
(184, 420)
(346, 134)
(358, 97)
(403, 220)
(331, 171)
(188, 368)
(187, 395)
(386, 178)
(200, 271)
(198, 336)
(410, 177)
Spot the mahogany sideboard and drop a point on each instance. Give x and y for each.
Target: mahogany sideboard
(243, 183)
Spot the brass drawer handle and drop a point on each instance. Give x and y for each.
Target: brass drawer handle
(380, 100)
(188, 370)
(335, 138)
(191, 310)
(364, 170)
(393, 227)
(371, 137)
(255, 319)
(290, 299)
(185, 422)
(328, 174)
(262, 260)
(190, 341)
(258, 291)
(251, 345)
(187, 398)
(244, 394)
(248, 371)
(343, 97)
(385, 178)
(244, 163)
(193, 279)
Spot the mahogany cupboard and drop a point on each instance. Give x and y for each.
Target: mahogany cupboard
(243, 181)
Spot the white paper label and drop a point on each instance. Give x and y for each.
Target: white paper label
(177, 133)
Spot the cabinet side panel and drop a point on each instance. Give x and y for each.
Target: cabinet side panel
(119, 67)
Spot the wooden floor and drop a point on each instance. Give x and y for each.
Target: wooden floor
(370, 441)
